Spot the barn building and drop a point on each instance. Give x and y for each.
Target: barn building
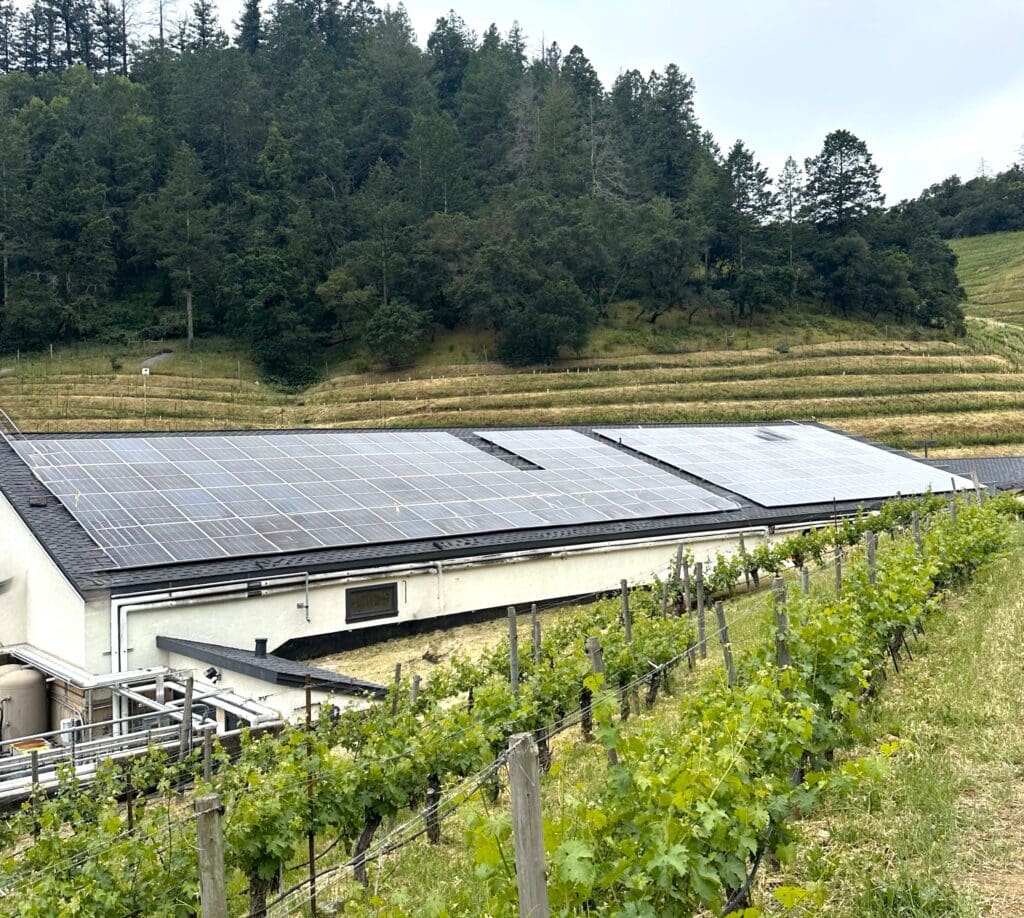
(133, 560)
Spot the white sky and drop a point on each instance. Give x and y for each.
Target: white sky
(932, 86)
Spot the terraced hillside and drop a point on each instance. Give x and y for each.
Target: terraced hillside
(991, 269)
(959, 395)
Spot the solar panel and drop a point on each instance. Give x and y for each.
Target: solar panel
(785, 464)
(156, 499)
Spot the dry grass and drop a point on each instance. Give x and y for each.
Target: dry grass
(963, 394)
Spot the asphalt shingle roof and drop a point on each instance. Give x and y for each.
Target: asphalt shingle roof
(270, 668)
(1004, 473)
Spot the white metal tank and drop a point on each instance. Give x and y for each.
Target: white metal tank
(23, 701)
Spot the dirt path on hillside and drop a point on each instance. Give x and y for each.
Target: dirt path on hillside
(157, 359)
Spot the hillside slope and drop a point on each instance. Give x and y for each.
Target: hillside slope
(955, 394)
(991, 269)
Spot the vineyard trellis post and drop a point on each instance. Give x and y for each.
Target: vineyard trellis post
(414, 690)
(871, 542)
(535, 626)
(431, 816)
(723, 639)
(838, 552)
(746, 566)
(35, 793)
(915, 525)
(398, 683)
(686, 585)
(527, 826)
(805, 580)
(782, 655)
(213, 894)
(627, 616)
(979, 492)
(310, 795)
(207, 755)
(186, 719)
(701, 623)
(597, 667)
(513, 650)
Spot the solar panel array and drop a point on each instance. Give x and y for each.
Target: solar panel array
(157, 499)
(785, 464)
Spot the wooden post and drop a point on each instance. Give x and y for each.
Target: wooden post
(398, 682)
(414, 690)
(743, 557)
(701, 624)
(310, 834)
(213, 894)
(805, 581)
(871, 542)
(952, 506)
(627, 616)
(838, 552)
(782, 655)
(207, 755)
(723, 638)
(129, 798)
(686, 584)
(664, 599)
(597, 666)
(679, 561)
(513, 650)
(431, 817)
(535, 624)
(35, 793)
(527, 826)
(979, 492)
(915, 525)
(185, 734)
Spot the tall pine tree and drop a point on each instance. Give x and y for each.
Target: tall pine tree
(842, 182)
(175, 228)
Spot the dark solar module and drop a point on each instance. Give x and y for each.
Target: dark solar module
(155, 499)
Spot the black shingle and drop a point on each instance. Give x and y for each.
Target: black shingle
(270, 668)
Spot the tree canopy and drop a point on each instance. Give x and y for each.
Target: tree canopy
(320, 179)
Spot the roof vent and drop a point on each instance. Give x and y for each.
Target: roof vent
(37, 500)
(261, 647)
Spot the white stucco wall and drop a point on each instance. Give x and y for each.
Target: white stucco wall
(41, 607)
(460, 586)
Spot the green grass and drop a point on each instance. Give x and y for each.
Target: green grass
(991, 269)
(941, 835)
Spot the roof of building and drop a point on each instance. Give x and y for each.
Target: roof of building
(269, 667)
(1004, 473)
(676, 501)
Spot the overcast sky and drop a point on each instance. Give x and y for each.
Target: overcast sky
(933, 86)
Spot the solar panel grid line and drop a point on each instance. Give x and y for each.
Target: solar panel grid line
(376, 487)
(796, 464)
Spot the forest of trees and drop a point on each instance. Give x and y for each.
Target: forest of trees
(318, 179)
(984, 204)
